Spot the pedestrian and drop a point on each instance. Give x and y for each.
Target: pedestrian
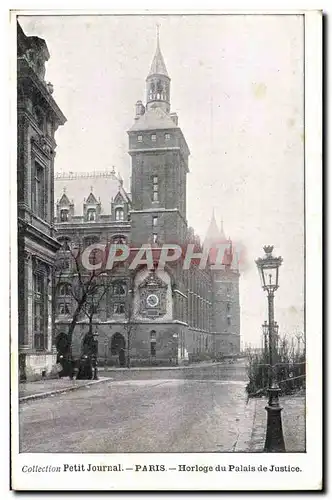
(94, 355)
(63, 354)
(122, 357)
(88, 360)
(84, 368)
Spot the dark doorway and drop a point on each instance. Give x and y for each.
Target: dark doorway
(117, 343)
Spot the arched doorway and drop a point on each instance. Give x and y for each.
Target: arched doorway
(117, 343)
(153, 343)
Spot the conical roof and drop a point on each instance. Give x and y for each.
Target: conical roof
(158, 66)
(222, 229)
(213, 233)
(215, 238)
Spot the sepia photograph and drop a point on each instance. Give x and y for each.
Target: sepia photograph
(161, 244)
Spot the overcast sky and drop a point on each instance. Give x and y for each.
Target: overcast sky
(237, 86)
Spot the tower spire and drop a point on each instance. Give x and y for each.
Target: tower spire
(158, 81)
(222, 228)
(158, 27)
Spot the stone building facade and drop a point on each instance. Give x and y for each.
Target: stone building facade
(175, 314)
(38, 117)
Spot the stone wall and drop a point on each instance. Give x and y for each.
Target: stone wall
(170, 341)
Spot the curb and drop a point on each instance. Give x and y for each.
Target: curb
(244, 441)
(155, 368)
(42, 395)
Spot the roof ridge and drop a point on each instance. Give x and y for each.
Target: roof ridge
(85, 175)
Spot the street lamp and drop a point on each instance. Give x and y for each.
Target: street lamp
(268, 268)
(265, 329)
(276, 333)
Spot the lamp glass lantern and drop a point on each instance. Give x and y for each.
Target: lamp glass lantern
(265, 328)
(268, 267)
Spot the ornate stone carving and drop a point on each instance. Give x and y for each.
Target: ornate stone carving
(27, 256)
(42, 144)
(152, 294)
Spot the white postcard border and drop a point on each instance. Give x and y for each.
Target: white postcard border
(310, 462)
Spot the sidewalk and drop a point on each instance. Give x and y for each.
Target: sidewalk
(253, 428)
(203, 364)
(49, 387)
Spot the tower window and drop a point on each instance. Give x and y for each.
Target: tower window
(155, 188)
(119, 214)
(91, 214)
(155, 238)
(155, 221)
(167, 137)
(153, 137)
(228, 320)
(139, 138)
(64, 215)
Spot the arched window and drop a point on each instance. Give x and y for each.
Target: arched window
(117, 343)
(119, 288)
(152, 343)
(64, 215)
(119, 239)
(91, 214)
(119, 214)
(64, 289)
(64, 308)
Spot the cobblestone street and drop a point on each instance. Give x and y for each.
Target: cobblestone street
(195, 409)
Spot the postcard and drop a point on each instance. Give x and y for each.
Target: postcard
(166, 325)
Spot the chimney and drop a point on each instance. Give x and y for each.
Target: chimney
(140, 110)
(175, 118)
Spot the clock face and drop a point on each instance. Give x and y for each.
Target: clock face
(152, 300)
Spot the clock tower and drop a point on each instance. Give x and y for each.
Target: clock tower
(159, 155)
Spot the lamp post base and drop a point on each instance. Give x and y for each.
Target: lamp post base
(274, 441)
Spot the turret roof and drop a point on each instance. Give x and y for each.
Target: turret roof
(158, 66)
(154, 118)
(213, 234)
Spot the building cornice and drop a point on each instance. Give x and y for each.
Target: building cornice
(154, 150)
(24, 70)
(152, 210)
(83, 225)
(28, 230)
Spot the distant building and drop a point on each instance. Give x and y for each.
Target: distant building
(38, 117)
(178, 314)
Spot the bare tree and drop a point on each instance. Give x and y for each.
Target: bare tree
(130, 324)
(94, 299)
(86, 288)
